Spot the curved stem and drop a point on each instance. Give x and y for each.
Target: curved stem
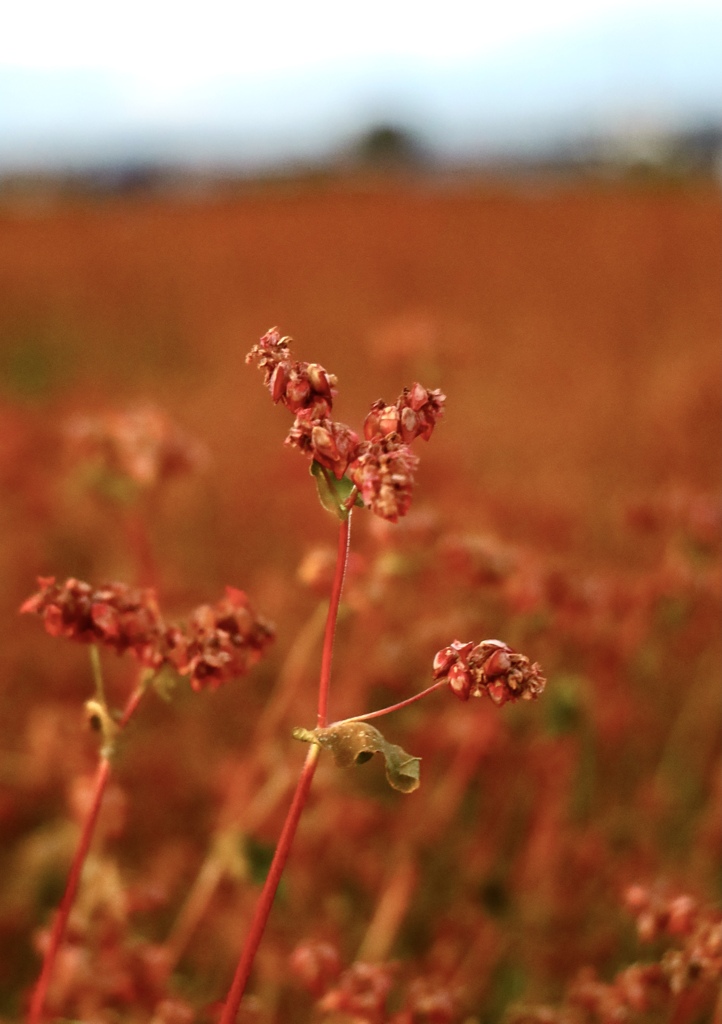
(60, 922)
(396, 707)
(263, 907)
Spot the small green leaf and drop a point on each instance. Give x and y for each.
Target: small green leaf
(332, 493)
(356, 742)
(402, 769)
(165, 682)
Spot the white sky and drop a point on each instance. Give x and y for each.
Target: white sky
(168, 41)
(272, 69)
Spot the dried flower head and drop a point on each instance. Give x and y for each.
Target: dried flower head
(491, 667)
(142, 445)
(221, 641)
(414, 414)
(298, 386)
(384, 475)
(115, 615)
(333, 445)
(381, 466)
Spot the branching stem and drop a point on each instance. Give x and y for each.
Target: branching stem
(60, 923)
(396, 707)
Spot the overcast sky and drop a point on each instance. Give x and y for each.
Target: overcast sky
(80, 78)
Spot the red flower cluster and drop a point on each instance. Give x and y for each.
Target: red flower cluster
(675, 981)
(700, 958)
(220, 642)
(414, 415)
(118, 616)
(491, 667)
(381, 466)
(143, 445)
(299, 386)
(362, 991)
(333, 445)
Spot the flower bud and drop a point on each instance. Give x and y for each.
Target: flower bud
(278, 382)
(459, 680)
(319, 380)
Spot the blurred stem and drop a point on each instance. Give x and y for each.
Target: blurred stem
(212, 870)
(292, 672)
(265, 900)
(138, 540)
(390, 910)
(215, 867)
(97, 670)
(60, 923)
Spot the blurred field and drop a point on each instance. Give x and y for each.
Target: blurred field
(576, 330)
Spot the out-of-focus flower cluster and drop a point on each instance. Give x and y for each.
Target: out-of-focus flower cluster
(694, 516)
(218, 642)
(680, 917)
(361, 992)
(692, 972)
(142, 446)
(490, 667)
(381, 466)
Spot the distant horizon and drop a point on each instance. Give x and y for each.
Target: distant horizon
(616, 69)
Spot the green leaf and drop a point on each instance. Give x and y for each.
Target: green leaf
(332, 493)
(353, 743)
(165, 682)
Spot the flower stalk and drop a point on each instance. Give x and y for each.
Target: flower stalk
(283, 849)
(60, 923)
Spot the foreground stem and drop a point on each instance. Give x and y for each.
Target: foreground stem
(265, 900)
(344, 535)
(263, 907)
(60, 922)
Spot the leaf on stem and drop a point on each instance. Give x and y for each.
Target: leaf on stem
(356, 742)
(332, 493)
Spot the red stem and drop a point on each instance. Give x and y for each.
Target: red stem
(396, 707)
(60, 922)
(341, 559)
(265, 900)
(263, 907)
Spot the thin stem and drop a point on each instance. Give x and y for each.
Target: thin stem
(263, 907)
(344, 535)
(60, 922)
(390, 909)
(265, 900)
(215, 867)
(139, 543)
(396, 707)
(97, 673)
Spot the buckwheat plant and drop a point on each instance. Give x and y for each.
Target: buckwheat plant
(217, 643)
(374, 471)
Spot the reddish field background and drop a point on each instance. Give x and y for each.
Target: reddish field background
(568, 503)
